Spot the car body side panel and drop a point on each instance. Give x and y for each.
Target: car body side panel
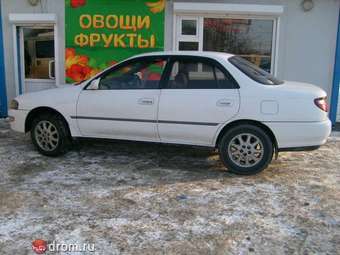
(294, 100)
(289, 110)
(63, 100)
(118, 114)
(18, 119)
(300, 134)
(194, 116)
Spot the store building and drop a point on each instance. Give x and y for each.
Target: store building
(51, 42)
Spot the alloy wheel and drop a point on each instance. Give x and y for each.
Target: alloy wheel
(47, 135)
(245, 150)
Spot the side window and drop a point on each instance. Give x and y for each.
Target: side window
(136, 75)
(225, 81)
(188, 74)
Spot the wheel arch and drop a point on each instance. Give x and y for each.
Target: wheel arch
(249, 122)
(43, 110)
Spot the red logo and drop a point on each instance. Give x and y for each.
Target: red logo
(39, 246)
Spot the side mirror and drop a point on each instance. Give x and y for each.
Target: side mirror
(94, 85)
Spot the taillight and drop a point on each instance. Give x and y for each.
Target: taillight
(322, 103)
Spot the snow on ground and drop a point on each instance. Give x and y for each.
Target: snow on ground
(138, 198)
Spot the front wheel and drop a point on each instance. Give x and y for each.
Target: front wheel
(50, 136)
(246, 150)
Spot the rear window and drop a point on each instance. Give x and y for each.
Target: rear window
(254, 72)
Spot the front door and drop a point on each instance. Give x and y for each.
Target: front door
(125, 104)
(36, 58)
(199, 97)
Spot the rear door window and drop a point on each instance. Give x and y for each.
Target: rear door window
(191, 73)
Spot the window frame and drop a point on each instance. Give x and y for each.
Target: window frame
(208, 60)
(179, 37)
(181, 27)
(188, 38)
(128, 62)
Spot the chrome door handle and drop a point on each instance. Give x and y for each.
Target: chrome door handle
(146, 101)
(224, 103)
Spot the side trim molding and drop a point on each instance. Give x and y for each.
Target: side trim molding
(111, 119)
(147, 121)
(188, 123)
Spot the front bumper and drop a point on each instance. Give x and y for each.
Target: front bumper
(17, 120)
(300, 134)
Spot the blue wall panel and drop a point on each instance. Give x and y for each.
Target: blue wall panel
(3, 97)
(336, 81)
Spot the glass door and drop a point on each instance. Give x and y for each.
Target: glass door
(37, 58)
(188, 34)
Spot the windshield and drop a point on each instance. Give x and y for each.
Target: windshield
(254, 72)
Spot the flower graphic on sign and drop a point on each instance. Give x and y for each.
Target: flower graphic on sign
(77, 3)
(156, 7)
(78, 66)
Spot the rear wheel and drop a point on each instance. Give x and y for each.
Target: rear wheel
(50, 136)
(246, 149)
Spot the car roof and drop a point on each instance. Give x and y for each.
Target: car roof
(211, 54)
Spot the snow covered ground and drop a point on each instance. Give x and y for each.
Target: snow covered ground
(138, 198)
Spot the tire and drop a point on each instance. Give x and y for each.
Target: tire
(50, 135)
(243, 156)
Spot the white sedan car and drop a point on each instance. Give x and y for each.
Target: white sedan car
(194, 98)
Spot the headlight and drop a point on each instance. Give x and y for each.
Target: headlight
(14, 105)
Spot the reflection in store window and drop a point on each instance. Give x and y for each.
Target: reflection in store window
(249, 38)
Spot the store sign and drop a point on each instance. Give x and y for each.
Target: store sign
(100, 33)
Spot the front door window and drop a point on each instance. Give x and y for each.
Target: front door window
(142, 74)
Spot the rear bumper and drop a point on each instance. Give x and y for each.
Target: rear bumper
(300, 135)
(17, 120)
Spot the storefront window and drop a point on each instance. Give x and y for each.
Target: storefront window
(248, 38)
(189, 27)
(188, 46)
(38, 53)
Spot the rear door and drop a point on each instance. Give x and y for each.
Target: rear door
(197, 97)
